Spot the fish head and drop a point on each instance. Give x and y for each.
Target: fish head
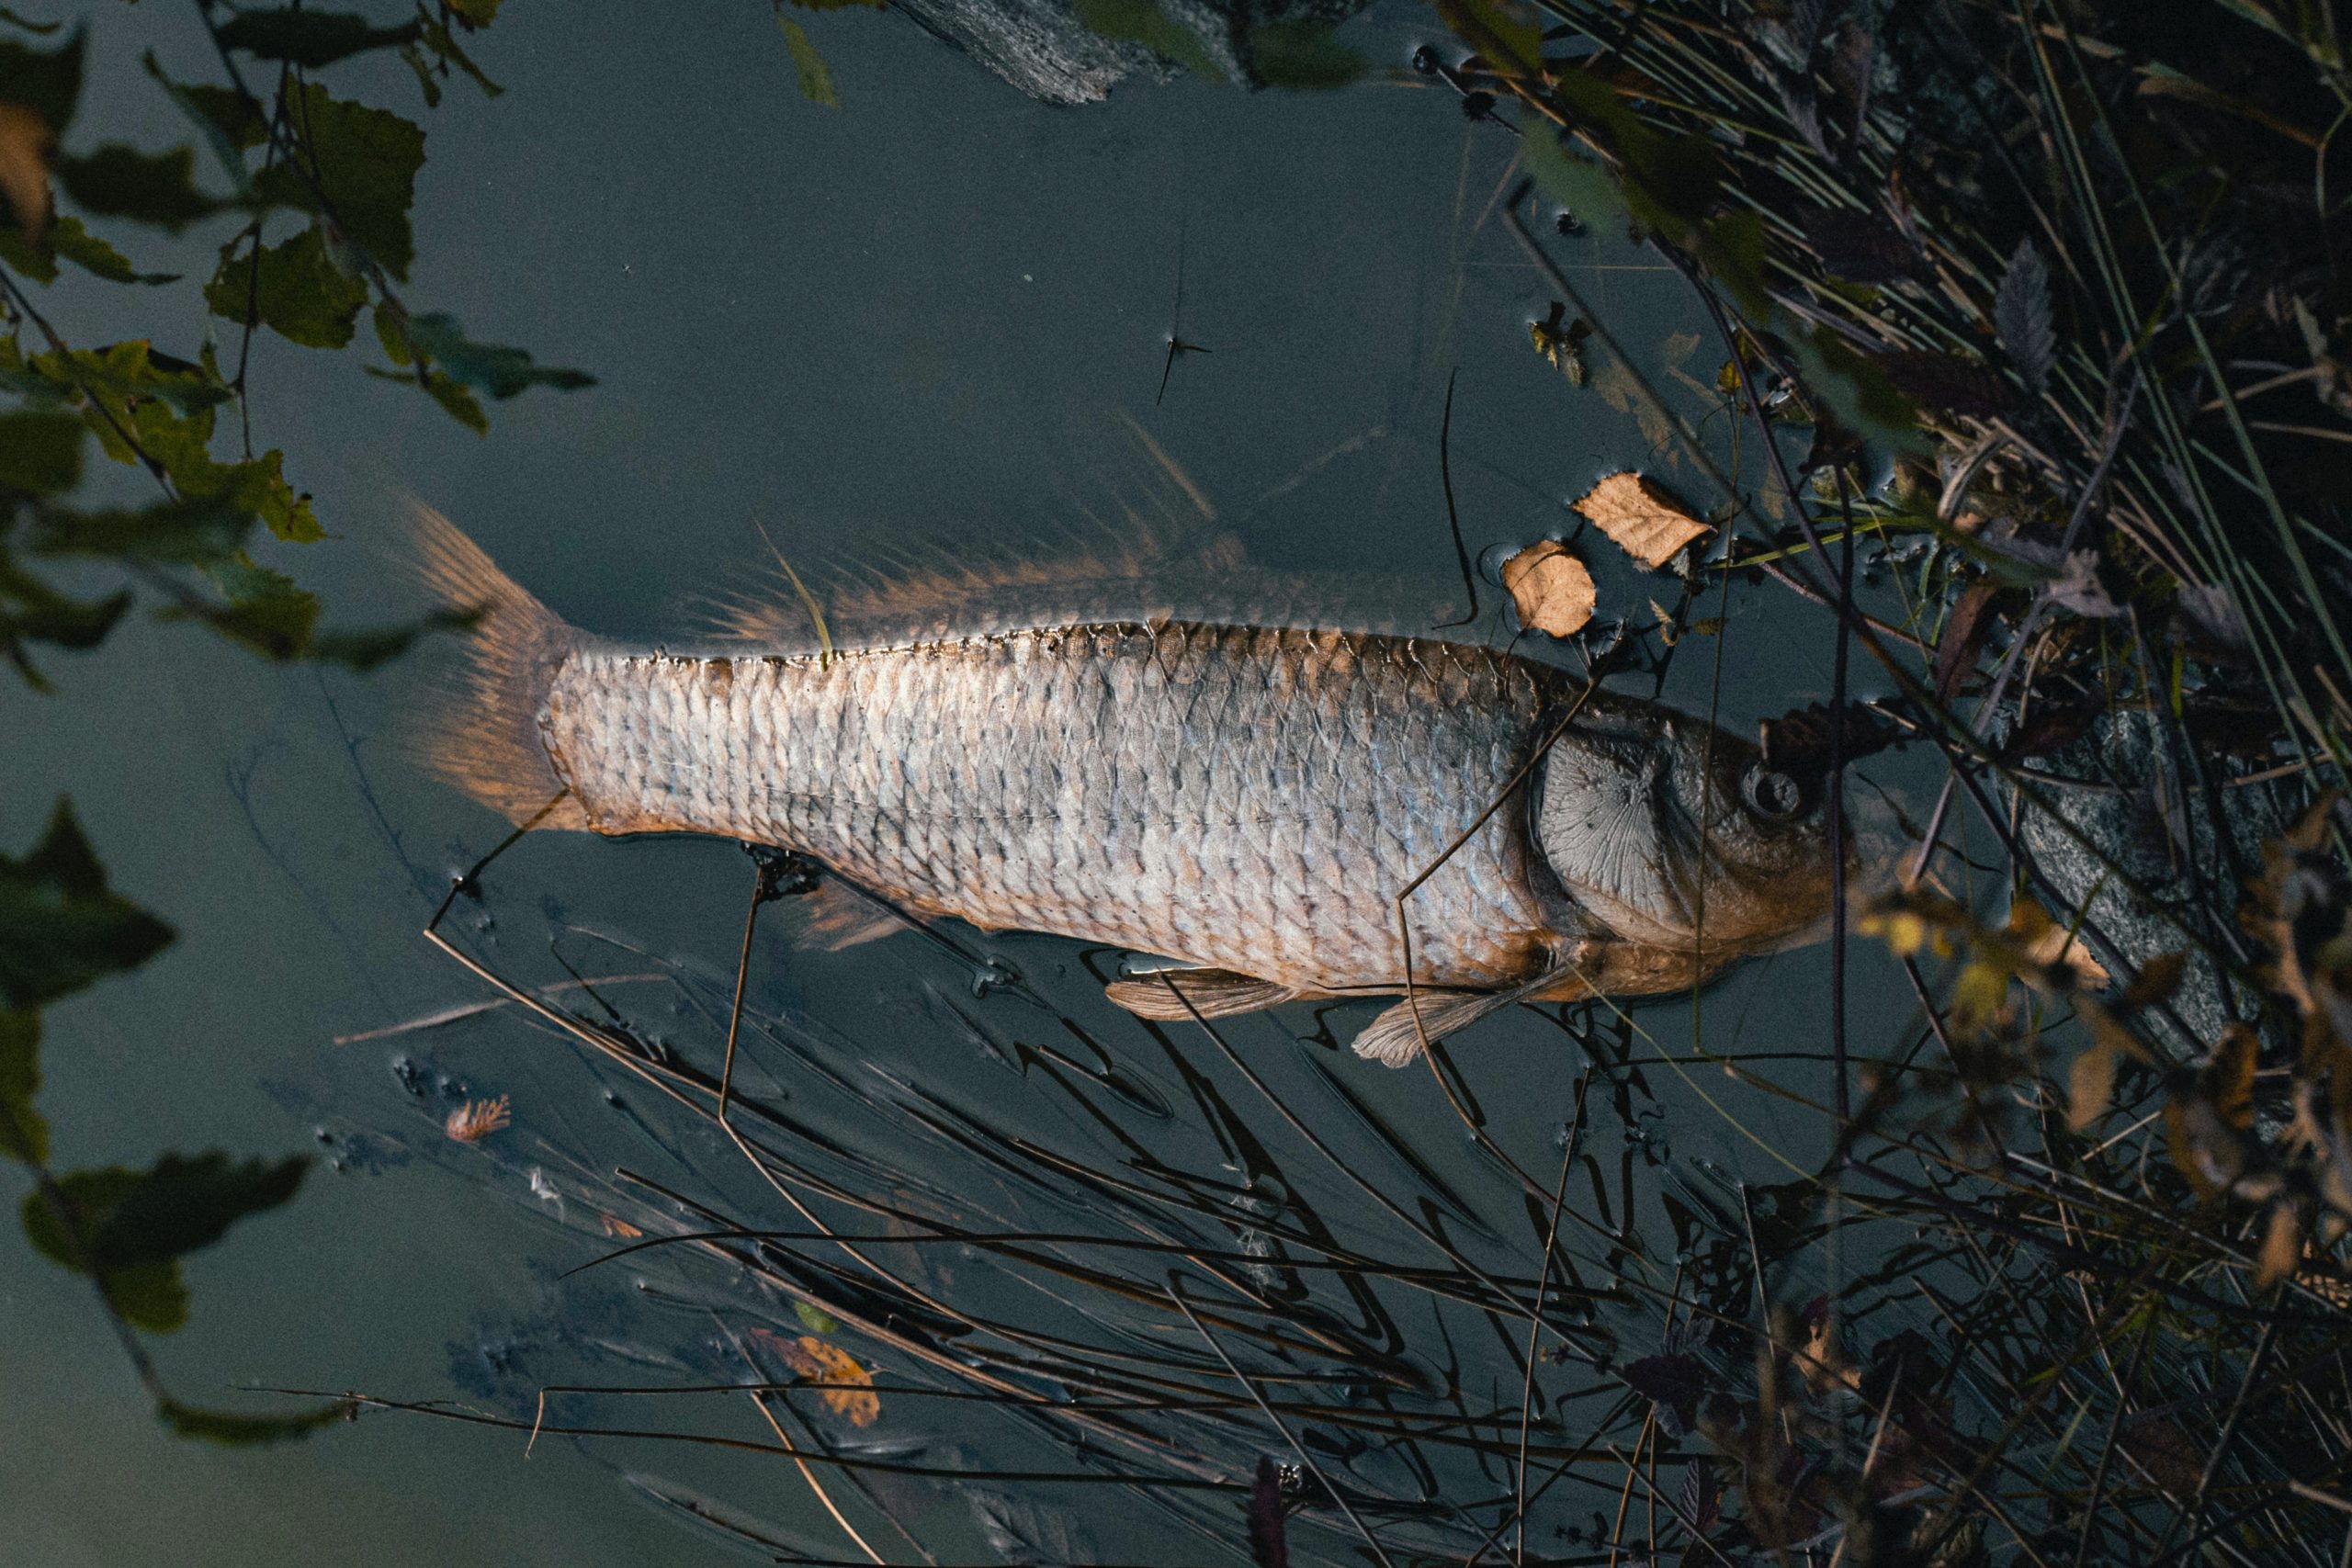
(1669, 832)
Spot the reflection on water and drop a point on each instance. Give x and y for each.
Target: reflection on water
(883, 324)
(1093, 1266)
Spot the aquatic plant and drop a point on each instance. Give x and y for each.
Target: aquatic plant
(334, 177)
(2021, 305)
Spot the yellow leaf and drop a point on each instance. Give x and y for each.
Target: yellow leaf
(2282, 1247)
(1553, 590)
(1979, 995)
(1637, 513)
(25, 142)
(848, 1387)
(2233, 1082)
(2028, 923)
(2055, 946)
(2159, 978)
(2091, 1085)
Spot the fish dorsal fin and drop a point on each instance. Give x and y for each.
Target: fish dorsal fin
(1153, 550)
(1178, 996)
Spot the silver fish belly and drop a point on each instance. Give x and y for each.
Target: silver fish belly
(1242, 799)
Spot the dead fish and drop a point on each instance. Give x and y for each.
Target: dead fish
(1243, 796)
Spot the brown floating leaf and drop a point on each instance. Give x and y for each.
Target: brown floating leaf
(25, 142)
(2058, 946)
(1637, 513)
(848, 1387)
(1551, 587)
(2092, 1087)
(2282, 1247)
(1963, 637)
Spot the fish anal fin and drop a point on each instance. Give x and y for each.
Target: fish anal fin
(1178, 996)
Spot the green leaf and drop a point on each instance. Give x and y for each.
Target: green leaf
(309, 38)
(34, 262)
(152, 1297)
(816, 76)
(1303, 56)
(456, 401)
(816, 1319)
(475, 13)
(130, 1228)
(125, 376)
(394, 338)
(370, 647)
(1576, 183)
(500, 371)
(40, 453)
(231, 1430)
(61, 928)
(231, 122)
(293, 288)
(119, 181)
(265, 613)
(444, 44)
(67, 238)
(31, 610)
(1141, 21)
(364, 161)
(425, 81)
(185, 1204)
(192, 531)
(48, 82)
(24, 1135)
(1509, 23)
(1858, 392)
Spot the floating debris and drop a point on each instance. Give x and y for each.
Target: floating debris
(1553, 590)
(1646, 522)
(848, 1387)
(1561, 344)
(478, 1119)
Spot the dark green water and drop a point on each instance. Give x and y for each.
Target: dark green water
(917, 315)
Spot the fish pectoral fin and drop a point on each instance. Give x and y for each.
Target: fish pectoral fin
(834, 918)
(1178, 996)
(1395, 1037)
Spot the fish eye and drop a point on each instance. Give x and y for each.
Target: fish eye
(1771, 796)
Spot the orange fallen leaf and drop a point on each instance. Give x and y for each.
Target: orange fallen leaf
(2057, 944)
(25, 142)
(619, 1227)
(848, 1387)
(1637, 513)
(2282, 1247)
(1551, 587)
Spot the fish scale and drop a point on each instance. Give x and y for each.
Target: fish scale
(1247, 799)
(1240, 797)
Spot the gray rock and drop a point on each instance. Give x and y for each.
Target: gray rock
(1042, 47)
(2142, 809)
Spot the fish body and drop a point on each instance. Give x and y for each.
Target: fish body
(1249, 801)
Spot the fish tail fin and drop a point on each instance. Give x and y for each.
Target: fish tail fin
(481, 730)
